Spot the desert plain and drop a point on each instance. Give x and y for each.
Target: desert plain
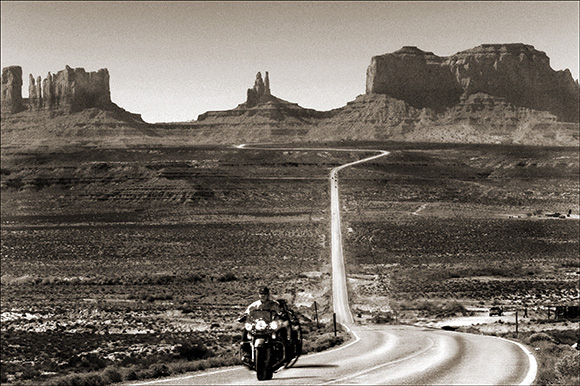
(125, 260)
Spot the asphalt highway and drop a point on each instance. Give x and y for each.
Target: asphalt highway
(383, 354)
(392, 355)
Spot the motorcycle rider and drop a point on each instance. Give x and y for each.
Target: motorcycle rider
(263, 303)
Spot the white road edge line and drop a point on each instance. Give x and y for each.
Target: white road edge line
(185, 377)
(533, 369)
(356, 339)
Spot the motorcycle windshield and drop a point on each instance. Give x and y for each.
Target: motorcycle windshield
(265, 315)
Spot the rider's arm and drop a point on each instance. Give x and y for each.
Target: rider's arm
(243, 318)
(275, 306)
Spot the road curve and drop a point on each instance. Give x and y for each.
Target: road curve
(391, 355)
(386, 355)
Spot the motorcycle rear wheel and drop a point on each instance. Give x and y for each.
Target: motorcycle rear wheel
(297, 348)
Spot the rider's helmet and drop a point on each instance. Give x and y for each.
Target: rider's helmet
(264, 291)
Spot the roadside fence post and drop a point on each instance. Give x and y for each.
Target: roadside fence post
(334, 322)
(316, 314)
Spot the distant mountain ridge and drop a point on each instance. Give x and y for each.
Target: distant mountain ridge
(493, 93)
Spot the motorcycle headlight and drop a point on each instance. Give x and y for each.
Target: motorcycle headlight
(261, 325)
(274, 325)
(248, 326)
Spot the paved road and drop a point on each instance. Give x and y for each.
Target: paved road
(387, 354)
(393, 355)
(339, 289)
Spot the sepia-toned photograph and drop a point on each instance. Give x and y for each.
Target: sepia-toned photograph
(290, 193)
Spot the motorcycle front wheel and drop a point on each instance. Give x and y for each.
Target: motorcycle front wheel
(263, 367)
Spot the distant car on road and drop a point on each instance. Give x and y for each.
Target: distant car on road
(495, 311)
(558, 215)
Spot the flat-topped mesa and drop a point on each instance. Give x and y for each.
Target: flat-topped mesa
(12, 101)
(420, 78)
(260, 93)
(517, 72)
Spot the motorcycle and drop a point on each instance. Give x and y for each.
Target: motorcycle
(273, 341)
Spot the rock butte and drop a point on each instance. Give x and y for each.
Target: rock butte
(67, 91)
(518, 73)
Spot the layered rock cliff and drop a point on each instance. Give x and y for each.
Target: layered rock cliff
(517, 73)
(419, 78)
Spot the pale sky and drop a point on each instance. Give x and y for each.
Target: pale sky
(171, 61)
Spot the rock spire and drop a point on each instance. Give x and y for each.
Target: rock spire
(260, 93)
(12, 101)
(267, 84)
